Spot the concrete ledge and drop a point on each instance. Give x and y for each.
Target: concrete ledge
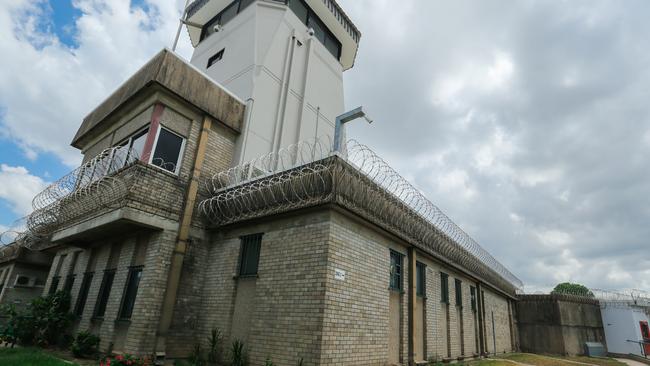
(118, 219)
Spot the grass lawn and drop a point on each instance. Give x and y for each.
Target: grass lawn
(541, 360)
(29, 357)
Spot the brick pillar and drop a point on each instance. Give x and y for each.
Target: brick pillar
(412, 304)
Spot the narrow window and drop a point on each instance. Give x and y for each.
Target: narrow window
(69, 282)
(250, 254)
(395, 270)
(216, 58)
(167, 153)
(83, 293)
(132, 283)
(69, 279)
(107, 281)
(54, 284)
(420, 279)
(104, 293)
(459, 292)
(444, 288)
(472, 295)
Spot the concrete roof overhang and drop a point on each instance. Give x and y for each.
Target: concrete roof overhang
(201, 11)
(169, 71)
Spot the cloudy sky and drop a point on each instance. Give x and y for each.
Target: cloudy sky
(527, 122)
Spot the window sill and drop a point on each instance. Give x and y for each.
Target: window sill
(122, 321)
(97, 319)
(400, 291)
(245, 276)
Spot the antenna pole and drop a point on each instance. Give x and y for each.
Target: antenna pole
(180, 25)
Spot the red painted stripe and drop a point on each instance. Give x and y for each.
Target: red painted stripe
(153, 131)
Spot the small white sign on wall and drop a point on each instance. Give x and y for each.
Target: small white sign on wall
(339, 274)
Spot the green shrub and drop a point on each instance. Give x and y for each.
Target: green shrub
(43, 323)
(85, 345)
(196, 358)
(215, 350)
(238, 354)
(268, 362)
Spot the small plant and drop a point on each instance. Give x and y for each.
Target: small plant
(215, 344)
(268, 362)
(85, 345)
(434, 360)
(300, 362)
(238, 356)
(196, 358)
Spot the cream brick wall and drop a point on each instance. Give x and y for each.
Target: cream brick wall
(355, 329)
(498, 305)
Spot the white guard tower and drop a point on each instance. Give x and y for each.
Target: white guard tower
(284, 58)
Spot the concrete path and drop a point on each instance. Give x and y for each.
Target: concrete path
(630, 362)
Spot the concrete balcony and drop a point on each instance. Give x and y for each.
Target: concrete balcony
(113, 192)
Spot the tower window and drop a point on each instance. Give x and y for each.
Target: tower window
(224, 16)
(250, 254)
(321, 32)
(216, 58)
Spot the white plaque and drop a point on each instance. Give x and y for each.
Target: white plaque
(339, 274)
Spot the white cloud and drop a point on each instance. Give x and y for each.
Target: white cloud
(46, 88)
(18, 187)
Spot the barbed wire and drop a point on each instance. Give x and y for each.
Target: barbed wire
(105, 181)
(306, 174)
(621, 298)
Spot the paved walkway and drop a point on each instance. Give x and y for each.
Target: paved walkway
(630, 362)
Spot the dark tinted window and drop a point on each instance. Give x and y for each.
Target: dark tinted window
(229, 13)
(243, 4)
(459, 292)
(54, 285)
(69, 282)
(319, 28)
(333, 45)
(133, 282)
(83, 294)
(216, 57)
(395, 270)
(420, 279)
(444, 288)
(104, 293)
(472, 295)
(299, 9)
(250, 254)
(168, 149)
